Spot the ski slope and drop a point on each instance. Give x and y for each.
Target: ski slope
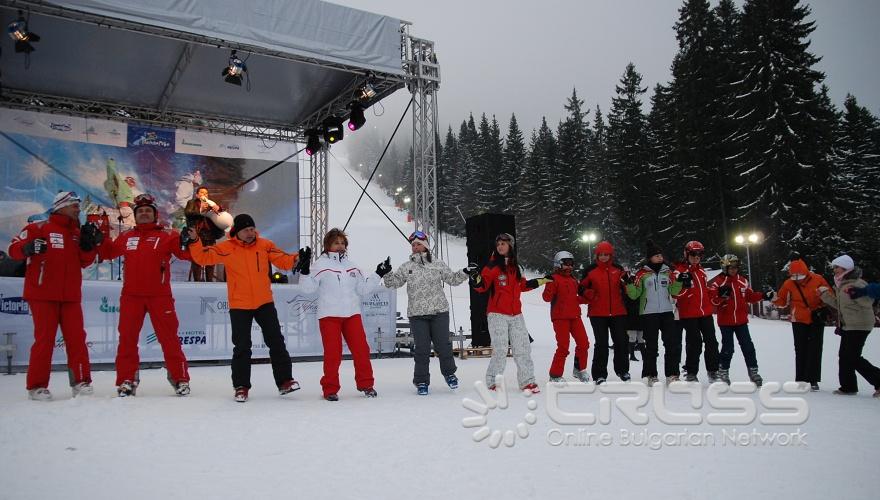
(401, 445)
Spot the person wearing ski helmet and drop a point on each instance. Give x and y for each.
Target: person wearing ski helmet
(502, 278)
(732, 295)
(146, 289)
(801, 294)
(565, 315)
(654, 286)
(855, 322)
(428, 309)
(603, 288)
(694, 304)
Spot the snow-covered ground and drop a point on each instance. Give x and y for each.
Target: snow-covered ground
(401, 445)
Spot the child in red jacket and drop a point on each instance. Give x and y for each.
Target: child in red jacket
(732, 294)
(565, 314)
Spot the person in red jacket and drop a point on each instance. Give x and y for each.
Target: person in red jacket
(56, 250)
(565, 314)
(603, 287)
(146, 288)
(732, 296)
(502, 278)
(694, 304)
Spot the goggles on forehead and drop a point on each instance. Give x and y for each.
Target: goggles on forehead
(567, 262)
(144, 199)
(417, 235)
(695, 253)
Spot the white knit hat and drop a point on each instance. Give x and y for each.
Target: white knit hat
(64, 199)
(844, 261)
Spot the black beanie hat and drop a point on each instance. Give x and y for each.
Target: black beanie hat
(651, 249)
(241, 221)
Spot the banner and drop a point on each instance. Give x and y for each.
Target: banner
(203, 311)
(109, 163)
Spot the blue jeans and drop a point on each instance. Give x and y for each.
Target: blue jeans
(745, 343)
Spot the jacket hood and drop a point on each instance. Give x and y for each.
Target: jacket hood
(798, 266)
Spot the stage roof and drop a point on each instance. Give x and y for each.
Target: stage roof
(160, 61)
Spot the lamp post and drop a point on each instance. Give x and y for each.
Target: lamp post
(589, 238)
(747, 240)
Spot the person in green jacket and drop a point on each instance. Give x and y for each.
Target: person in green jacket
(653, 286)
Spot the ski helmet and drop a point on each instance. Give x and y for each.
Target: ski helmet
(146, 200)
(729, 260)
(562, 256)
(693, 248)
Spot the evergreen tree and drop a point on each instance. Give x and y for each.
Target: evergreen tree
(570, 182)
(514, 168)
(447, 187)
(541, 224)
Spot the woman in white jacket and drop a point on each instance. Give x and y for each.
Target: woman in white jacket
(427, 309)
(340, 285)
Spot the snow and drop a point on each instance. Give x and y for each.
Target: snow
(401, 445)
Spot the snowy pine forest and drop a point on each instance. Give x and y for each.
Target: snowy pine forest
(743, 138)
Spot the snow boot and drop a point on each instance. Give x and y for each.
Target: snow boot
(724, 375)
(672, 378)
(182, 388)
(624, 376)
(600, 380)
(713, 377)
(755, 377)
(82, 389)
(331, 397)
(531, 388)
(452, 381)
(241, 394)
(841, 392)
(369, 392)
(814, 387)
(581, 375)
(632, 351)
(43, 394)
(557, 380)
(690, 377)
(288, 387)
(126, 388)
(422, 389)
(650, 381)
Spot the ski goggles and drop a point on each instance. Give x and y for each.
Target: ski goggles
(144, 199)
(417, 235)
(567, 262)
(695, 253)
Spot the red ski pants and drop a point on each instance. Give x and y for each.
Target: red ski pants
(565, 329)
(333, 331)
(48, 315)
(164, 320)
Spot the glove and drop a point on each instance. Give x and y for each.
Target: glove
(725, 291)
(686, 279)
(384, 267)
(471, 269)
(769, 295)
(303, 261)
(35, 247)
(581, 289)
(89, 237)
(856, 292)
(626, 278)
(536, 282)
(475, 280)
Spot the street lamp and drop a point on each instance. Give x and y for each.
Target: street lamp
(589, 239)
(406, 200)
(747, 240)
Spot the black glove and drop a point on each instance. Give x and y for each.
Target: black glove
(304, 261)
(581, 288)
(475, 280)
(185, 240)
(471, 269)
(725, 291)
(34, 247)
(856, 292)
(687, 281)
(626, 278)
(89, 237)
(769, 294)
(536, 282)
(384, 267)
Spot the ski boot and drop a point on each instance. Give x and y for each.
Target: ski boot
(755, 377)
(724, 375)
(422, 389)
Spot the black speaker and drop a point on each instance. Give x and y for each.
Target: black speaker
(481, 231)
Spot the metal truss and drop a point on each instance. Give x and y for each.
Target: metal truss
(420, 63)
(318, 199)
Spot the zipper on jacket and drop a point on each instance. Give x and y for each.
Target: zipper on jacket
(258, 261)
(608, 278)
(40, 278)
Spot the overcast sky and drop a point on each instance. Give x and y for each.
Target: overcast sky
(503, 56)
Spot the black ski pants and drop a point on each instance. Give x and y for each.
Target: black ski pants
(699, 331)
(654, 326)
(267, 317)
(808, 351)
(851, 361)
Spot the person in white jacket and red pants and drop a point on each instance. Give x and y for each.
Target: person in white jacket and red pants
(340, 285)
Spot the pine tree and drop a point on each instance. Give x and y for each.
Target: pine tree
(779, 122)
(447, 187)
(571, 182)
(541, 224)
(513, 168)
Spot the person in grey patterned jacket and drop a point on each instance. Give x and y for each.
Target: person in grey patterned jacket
(428, 309)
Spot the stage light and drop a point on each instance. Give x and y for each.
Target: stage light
(18, 31)
(313, 144)
(366, 92)
(279, 278)
(332, 130)
(356, 119)
(234, 70)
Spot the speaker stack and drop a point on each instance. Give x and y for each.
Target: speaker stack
(481, 231)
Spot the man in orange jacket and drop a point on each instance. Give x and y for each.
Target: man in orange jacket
(247, 259)
(146, 288)
(801, 294)
(56, 250)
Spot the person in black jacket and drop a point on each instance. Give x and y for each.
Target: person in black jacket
(195, 212)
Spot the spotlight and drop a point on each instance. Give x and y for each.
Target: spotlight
(332, 130)
(234, 70)
(313, 144)
(356, 119)
(366, 92)
(279, 278)
(18, 31)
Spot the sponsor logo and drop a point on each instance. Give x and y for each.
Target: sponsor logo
(302, 304)
(213, 305)
(187, 143)
(376, 301)
(114, 132)
(189, 337)
(60, 127)
(106, 307)
(13, 305)
(232, 147)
